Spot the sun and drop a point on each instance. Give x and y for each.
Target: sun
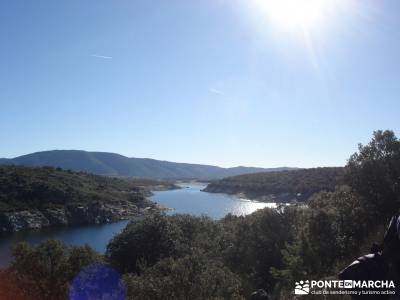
(295, 14)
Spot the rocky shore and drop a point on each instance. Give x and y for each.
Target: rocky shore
(36, 198)
(96, 213)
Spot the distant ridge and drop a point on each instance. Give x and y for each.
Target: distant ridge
(112, 164)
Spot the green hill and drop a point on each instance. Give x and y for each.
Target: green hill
(111, 164)
(281, 186)
(41, 197)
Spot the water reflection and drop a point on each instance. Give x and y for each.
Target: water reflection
(191, 200)
(188, 200)
(96, 236)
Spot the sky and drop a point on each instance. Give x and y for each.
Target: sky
(222, 82)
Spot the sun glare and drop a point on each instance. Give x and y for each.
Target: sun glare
(295, 14)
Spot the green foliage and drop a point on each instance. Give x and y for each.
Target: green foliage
(146, 241)
(158, 236)
(298, 184)
(328, 234)
(374, 174)
(155, 247)
(45, 271)
(193, 276)
(255, 247)
(27, 188)
(349, 219)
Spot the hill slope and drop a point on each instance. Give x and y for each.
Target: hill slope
(40, 197)
(111, 164)
(5, 161)
(282, 186)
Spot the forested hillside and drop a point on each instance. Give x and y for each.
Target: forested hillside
(41, 197)
(282, 186)
(112, 164)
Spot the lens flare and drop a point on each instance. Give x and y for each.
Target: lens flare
(295, 14)
(98, 282)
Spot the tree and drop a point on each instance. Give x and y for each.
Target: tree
(256, 245)
(374, 173)
(194, 276)
(312, 252)
(8, 287)
(147, 240)
(349, 219)
(45, 271)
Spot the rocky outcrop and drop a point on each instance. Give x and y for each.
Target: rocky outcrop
(95, 213)
(35, 198)
(56, 216)
(21, 220)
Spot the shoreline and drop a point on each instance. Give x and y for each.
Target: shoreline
(38, 219)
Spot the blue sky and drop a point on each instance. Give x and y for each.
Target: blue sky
(211, 81)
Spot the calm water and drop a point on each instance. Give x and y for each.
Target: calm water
(188, 200)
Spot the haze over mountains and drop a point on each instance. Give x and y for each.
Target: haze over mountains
(112, 164)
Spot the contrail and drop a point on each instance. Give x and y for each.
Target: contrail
(101, 56)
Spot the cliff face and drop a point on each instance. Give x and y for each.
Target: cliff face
(71, 215)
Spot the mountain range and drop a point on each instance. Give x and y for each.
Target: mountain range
(112, 164)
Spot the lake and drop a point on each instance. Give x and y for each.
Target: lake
(191, 200)
(188, 200)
